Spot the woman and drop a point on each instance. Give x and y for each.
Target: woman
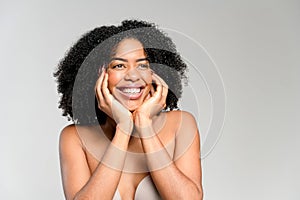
(120, 85)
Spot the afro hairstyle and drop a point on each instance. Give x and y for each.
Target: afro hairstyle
(77, 72)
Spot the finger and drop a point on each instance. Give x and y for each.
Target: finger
(152, 91)
(148, 97)
(105, 89)
(100, 70)
(164, 93)
(157, 94)
(99, 80)
(164, 84)
(98, 87)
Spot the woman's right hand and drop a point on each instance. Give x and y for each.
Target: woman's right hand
(112, 107)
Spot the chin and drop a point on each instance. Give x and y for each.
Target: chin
(132, 106)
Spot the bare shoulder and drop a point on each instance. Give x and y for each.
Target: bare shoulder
(68, 131)
(182, 119)
(187, 136)
(180, 113)
(69, 135)
(186, 129)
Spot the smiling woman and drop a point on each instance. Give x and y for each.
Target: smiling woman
(120, 85)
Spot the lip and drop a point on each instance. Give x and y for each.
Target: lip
(136, 85)
(133, 96)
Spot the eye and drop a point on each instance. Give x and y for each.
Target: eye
(118, 66)
(143, 66)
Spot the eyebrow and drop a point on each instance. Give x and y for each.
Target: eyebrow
(125, 60)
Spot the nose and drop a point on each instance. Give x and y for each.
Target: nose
(132, 75)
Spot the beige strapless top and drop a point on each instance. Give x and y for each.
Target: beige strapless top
(146, 190)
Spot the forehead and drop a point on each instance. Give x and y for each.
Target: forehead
(129, 46)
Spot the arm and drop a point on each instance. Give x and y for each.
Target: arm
(179, 179)
(78, 182)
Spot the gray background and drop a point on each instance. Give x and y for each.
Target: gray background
(255, 45)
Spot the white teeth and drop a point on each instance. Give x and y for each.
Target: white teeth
(131, 90)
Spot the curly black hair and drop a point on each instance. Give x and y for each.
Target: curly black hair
(77, 72)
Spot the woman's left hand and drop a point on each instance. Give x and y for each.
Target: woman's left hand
(153, 104)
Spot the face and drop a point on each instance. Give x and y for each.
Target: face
(129, 74)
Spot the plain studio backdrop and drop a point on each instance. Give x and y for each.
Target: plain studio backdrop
(254, 44)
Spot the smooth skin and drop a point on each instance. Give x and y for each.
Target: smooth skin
(175, 178)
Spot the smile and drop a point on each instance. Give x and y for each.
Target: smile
(131, 93)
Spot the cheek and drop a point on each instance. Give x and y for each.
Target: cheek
(113, 79)
(147, 76)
